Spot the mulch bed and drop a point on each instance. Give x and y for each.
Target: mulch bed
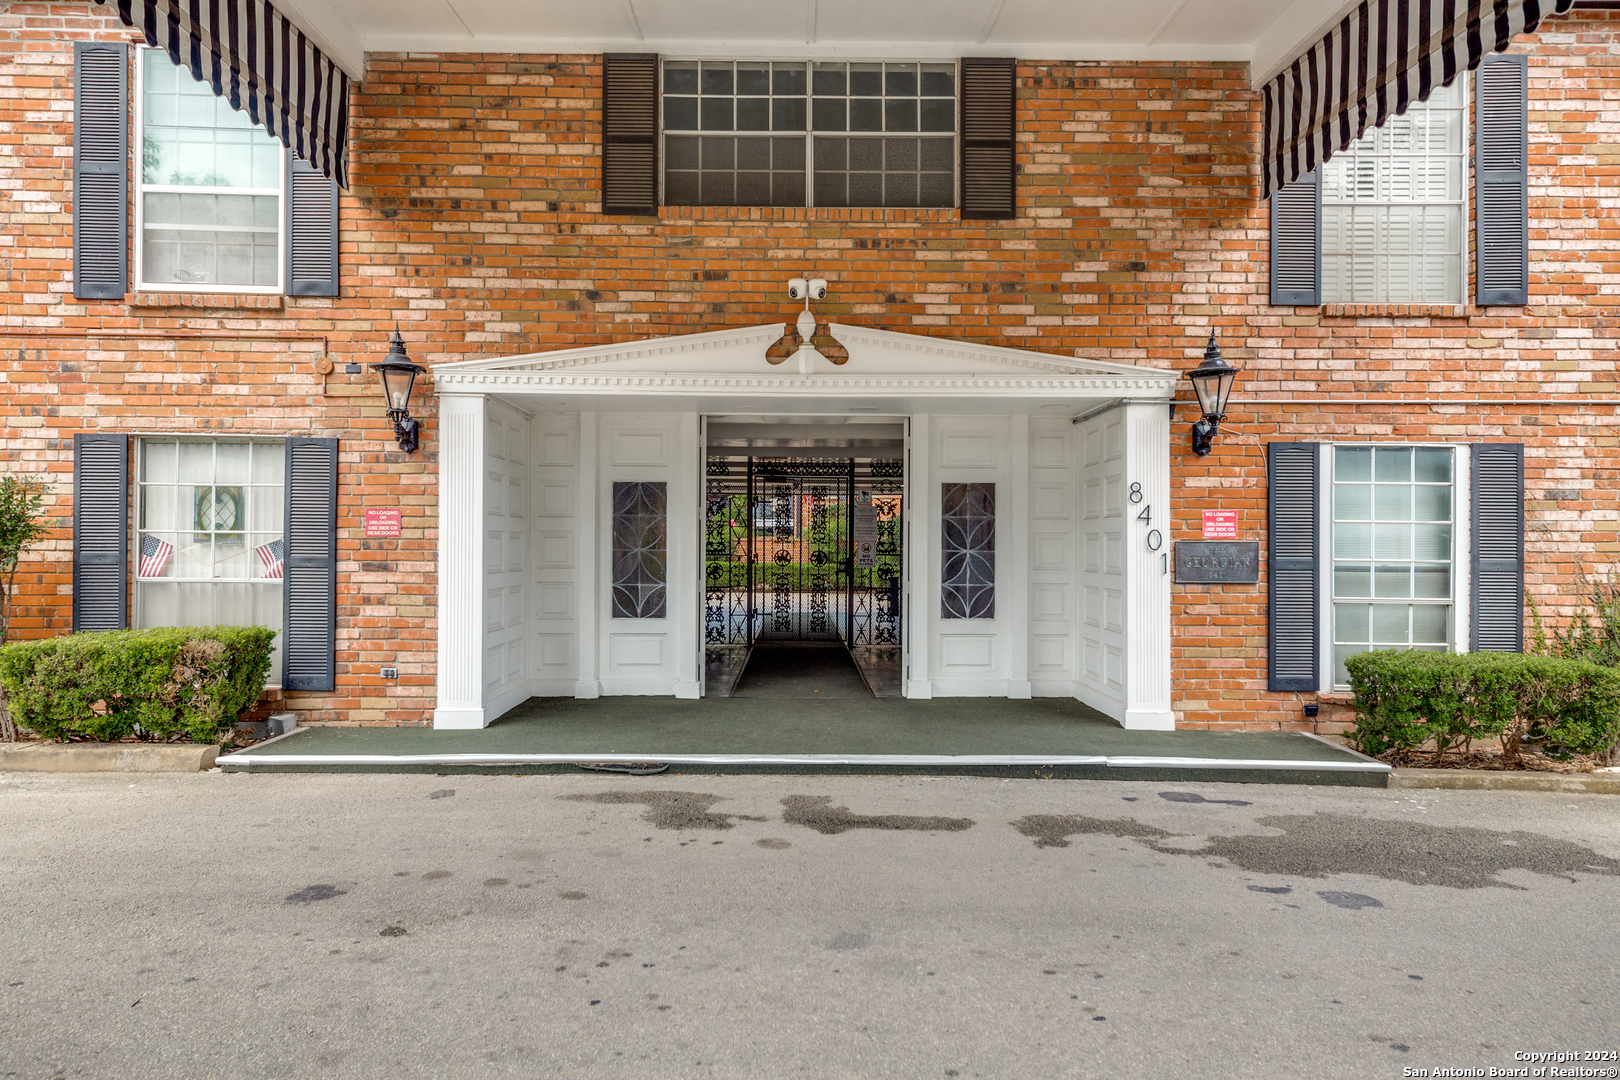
(1491, 760)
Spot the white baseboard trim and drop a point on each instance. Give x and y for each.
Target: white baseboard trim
(1112, 708)
(970, 688)
(1052, 688)
(502, 704)
(638, 687)
(588, 689)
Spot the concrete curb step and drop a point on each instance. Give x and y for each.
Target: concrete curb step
(1482, 780)
(119, 757)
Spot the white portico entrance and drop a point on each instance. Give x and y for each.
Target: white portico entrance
(571, 514)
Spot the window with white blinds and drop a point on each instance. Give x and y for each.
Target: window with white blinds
(1394, 209)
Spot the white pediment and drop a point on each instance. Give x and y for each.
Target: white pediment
(879, 361)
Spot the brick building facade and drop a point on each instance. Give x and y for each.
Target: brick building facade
(474, 225)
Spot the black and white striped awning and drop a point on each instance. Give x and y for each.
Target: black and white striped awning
(1381, 57)
(249, 53)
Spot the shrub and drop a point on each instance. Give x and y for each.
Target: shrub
(1406, 699)
(151, 683)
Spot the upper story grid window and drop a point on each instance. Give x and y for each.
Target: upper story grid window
(764, 133)
(1393, 209)
(208, 204)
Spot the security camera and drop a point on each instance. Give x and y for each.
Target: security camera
(799, 288)
(818, 288)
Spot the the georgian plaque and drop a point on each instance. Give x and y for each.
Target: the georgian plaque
(1217, 561)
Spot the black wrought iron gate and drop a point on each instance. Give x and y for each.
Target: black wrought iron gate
(780, 551)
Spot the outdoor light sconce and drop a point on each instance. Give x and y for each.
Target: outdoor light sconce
(398, 376)
(1212, 382)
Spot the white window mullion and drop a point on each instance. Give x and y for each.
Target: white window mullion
(1462, 544)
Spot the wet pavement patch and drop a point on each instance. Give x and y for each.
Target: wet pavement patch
(1194, 797)
(443, 793)
(392, 931)
(1279, 890)
(772, 845)
(1321, 845)
(1352, 901)
(817, 812)
(1054, 830)
(309, 894)
(846, 940)
(672, 809)
(1458, 856)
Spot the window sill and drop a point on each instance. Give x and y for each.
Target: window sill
(1396, 311)
(231, 301)
(812, 213)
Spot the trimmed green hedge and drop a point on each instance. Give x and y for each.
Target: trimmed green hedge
(156, 684)
(1406, 699)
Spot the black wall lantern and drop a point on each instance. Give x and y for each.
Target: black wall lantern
(1212, 382)
(398, 376)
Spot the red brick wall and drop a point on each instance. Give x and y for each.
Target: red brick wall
(473, 225)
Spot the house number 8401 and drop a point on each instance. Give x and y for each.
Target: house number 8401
(1154, 539)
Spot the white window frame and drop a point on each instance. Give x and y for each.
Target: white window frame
(140, 439)
(1461, 550)
(809, 132)
(141, 188)
(1466, 224)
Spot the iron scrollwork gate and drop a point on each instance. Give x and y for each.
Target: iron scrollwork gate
(778, 554)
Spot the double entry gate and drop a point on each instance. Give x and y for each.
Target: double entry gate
(802, 549)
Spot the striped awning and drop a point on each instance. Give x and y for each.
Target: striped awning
(250, 54)
(1381, 57)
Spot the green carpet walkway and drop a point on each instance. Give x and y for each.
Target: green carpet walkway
(994, 736)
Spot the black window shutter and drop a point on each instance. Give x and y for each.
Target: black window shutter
(1502, 181)
(312, 230)
(100, 170)
(309, 589)
(1294, 616)
(989, 122)
(100, 531)
(1296, 242)
(1497, 484)
(630, 133)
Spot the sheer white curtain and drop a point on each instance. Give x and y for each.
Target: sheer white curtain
(209, 539)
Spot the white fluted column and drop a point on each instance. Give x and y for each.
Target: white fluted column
(1147, 566)
(922, 558)
(589, 582)
(460, 693)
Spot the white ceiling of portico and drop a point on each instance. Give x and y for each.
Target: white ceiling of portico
(1265, 33)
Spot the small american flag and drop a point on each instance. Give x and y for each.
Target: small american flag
(271, 556)
(154, 556)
